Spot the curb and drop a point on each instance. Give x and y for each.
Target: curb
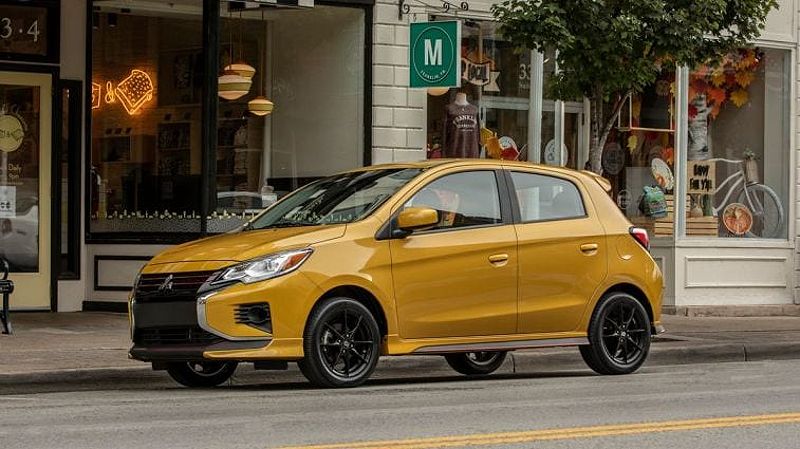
(554, 360)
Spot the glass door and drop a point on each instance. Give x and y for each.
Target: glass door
(25, 153)
(573, 138)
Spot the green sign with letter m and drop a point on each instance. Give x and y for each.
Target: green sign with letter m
(435, 54)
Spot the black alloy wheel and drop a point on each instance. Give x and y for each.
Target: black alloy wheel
(619, 335)
(341, 344)
(476, 363)
(201, 374)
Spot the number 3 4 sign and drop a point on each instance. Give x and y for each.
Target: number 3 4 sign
(24, 31)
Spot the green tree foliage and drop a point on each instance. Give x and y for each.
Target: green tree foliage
(610, 49)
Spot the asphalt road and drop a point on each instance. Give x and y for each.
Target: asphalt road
(758, 404)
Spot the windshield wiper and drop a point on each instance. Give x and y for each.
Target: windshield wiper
(290, 224)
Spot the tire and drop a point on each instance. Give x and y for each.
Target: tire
(476, 363)
(766, 208)
(341, 344)
(205, 374)
(619, 335)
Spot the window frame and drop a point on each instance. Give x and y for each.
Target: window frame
(512, 191)
(76, 111)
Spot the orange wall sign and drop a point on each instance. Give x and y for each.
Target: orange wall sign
(133, 92)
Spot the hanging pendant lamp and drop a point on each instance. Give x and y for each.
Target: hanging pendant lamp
(437, 91)
(260, 105)
(232, 86)
(242, 69)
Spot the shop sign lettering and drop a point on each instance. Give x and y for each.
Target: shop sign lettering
(702, 177)
(434, 54)
(480, 74)
(12, 131)
(8, 201)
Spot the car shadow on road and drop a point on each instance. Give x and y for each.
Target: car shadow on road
(282, 381)
(438, 380)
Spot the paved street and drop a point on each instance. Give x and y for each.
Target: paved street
(262, 410)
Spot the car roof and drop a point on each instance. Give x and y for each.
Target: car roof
(430, 163)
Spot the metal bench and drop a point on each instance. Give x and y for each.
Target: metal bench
(6, 289)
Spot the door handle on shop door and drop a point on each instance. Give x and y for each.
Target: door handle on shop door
(498, 259)
(589, 248)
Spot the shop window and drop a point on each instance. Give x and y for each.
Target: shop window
(738, 146)
(542, 198)
(487, 117)
(638, 157)
(146, 86)
(462, 199)
(300, 118)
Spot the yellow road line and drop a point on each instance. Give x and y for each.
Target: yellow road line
(488, 439)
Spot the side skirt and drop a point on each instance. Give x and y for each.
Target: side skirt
(502, 345)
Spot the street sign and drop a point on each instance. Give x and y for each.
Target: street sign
(435, 54)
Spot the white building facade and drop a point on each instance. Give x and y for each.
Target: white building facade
(136, 150)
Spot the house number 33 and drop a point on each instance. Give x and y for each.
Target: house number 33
(7, 29)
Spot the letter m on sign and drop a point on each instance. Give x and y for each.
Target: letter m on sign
(433, 52)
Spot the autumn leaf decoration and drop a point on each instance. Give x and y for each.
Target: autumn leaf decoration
(727, 81)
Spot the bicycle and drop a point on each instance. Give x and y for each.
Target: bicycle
(762, 202)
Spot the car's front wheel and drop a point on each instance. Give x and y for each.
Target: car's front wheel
(476, 363)
(619, 335)
(204, 374)
(341, 344)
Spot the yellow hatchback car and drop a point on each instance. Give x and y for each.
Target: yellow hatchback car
(460, 258)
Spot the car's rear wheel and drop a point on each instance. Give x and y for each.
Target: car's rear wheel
(341, 344)
(619, 335)
(476, 363)
(203, 374)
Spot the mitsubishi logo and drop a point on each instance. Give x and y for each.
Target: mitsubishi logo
(166, 286)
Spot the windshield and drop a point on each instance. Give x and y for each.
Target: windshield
(342, 198)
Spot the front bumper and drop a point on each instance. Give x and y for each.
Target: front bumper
(169, 331)
(212, 323)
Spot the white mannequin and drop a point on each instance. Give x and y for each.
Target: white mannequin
(461, 99)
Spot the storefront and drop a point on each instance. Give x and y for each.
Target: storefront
(150, 123)
(720, 136)
(171, 121)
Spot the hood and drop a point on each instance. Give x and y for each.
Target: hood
(242, 246)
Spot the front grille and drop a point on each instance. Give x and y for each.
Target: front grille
(174, 336)
(170, 286)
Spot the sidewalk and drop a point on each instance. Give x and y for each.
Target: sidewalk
(54, 345)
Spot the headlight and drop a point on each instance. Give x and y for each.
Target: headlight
(263, 268)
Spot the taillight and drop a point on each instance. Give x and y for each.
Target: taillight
(641, 236)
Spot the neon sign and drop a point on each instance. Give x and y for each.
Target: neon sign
(97, 90)
(133, 92)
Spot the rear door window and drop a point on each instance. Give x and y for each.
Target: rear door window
(546, 198)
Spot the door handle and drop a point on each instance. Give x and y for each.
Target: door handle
(498, 259)
(589, 247)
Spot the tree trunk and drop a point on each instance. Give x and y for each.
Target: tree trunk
(601, 127)
(698, 148)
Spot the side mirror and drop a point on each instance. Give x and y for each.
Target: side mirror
(417, 218)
